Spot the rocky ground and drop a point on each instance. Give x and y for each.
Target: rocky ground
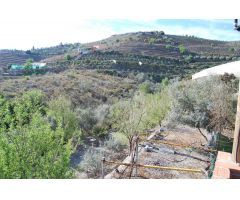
(153, 152)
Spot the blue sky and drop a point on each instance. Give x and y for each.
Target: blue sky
(25, 34)
(43, 23)
(210, 29)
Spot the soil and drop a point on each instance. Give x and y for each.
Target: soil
(171, 156)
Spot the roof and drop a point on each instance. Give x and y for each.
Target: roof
(17, 67)
(39, 64)
(230, 68)
(34, 66)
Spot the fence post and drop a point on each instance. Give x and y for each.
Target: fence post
(136, 162)
(236, 141)
(103, 160)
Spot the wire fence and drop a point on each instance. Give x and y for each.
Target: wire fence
(132, 165)
(222, 144)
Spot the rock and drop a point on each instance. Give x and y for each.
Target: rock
(148, 149)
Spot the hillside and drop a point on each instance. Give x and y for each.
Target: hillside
(154, 44)
(159, 44)
(98, 96)
(141, 55)
(83, 88)
(138, 56)
(153, 53)
(9, 57)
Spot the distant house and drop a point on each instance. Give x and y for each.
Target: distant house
(95, 48)
(229, 68)
(38, 65)
(34, 66)
(17, 67)
(16, 70)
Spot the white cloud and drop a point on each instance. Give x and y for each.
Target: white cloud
(24, 35)
(47, 22)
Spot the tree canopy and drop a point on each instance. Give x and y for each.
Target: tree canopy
(30, 147)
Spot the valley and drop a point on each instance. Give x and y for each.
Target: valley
(92, 99)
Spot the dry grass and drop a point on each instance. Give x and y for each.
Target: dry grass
(86, 88)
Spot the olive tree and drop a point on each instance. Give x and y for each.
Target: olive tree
(143, 111)
(204, 103)
(127, 116)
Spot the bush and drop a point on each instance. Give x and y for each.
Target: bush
(232, 50)
(145, 88)
(140, 77)
(143, 111)
(67, 57)
(94, 121)
(30, 147)
(188, 58)
(22, 108)
(151, 41)
(61, 111)
(169, 47)
(182, 49)
(204, 103)
(117, 142)
(92, 161)
(161, 33)
(157, 107)
(87, 119)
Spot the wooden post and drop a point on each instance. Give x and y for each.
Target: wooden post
(136, 161)
(103, 161)
(236, 141)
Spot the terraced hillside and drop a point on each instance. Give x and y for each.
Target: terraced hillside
(159, 44)
(8, 57)
(153, 68)
(155, 54)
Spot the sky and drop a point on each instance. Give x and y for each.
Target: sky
(28, 23)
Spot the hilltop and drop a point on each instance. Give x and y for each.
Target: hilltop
(155, 54)
(154, 44)
(157, 43)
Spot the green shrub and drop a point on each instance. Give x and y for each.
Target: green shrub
(204, 103)
(169, 46)
(232, 50)
(188, 58)
(94, 121)
(151, 41)
(145, 88)
(92, 161)
(143, 111)
(117, 142)
(67, 57)
(182, 49)
(30, 147)
(60, 110)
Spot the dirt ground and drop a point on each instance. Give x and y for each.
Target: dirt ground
(159, 154)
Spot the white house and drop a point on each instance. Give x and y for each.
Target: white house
(230, 68)
(39, 64)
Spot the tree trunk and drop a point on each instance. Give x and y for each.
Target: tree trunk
(205, 137)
